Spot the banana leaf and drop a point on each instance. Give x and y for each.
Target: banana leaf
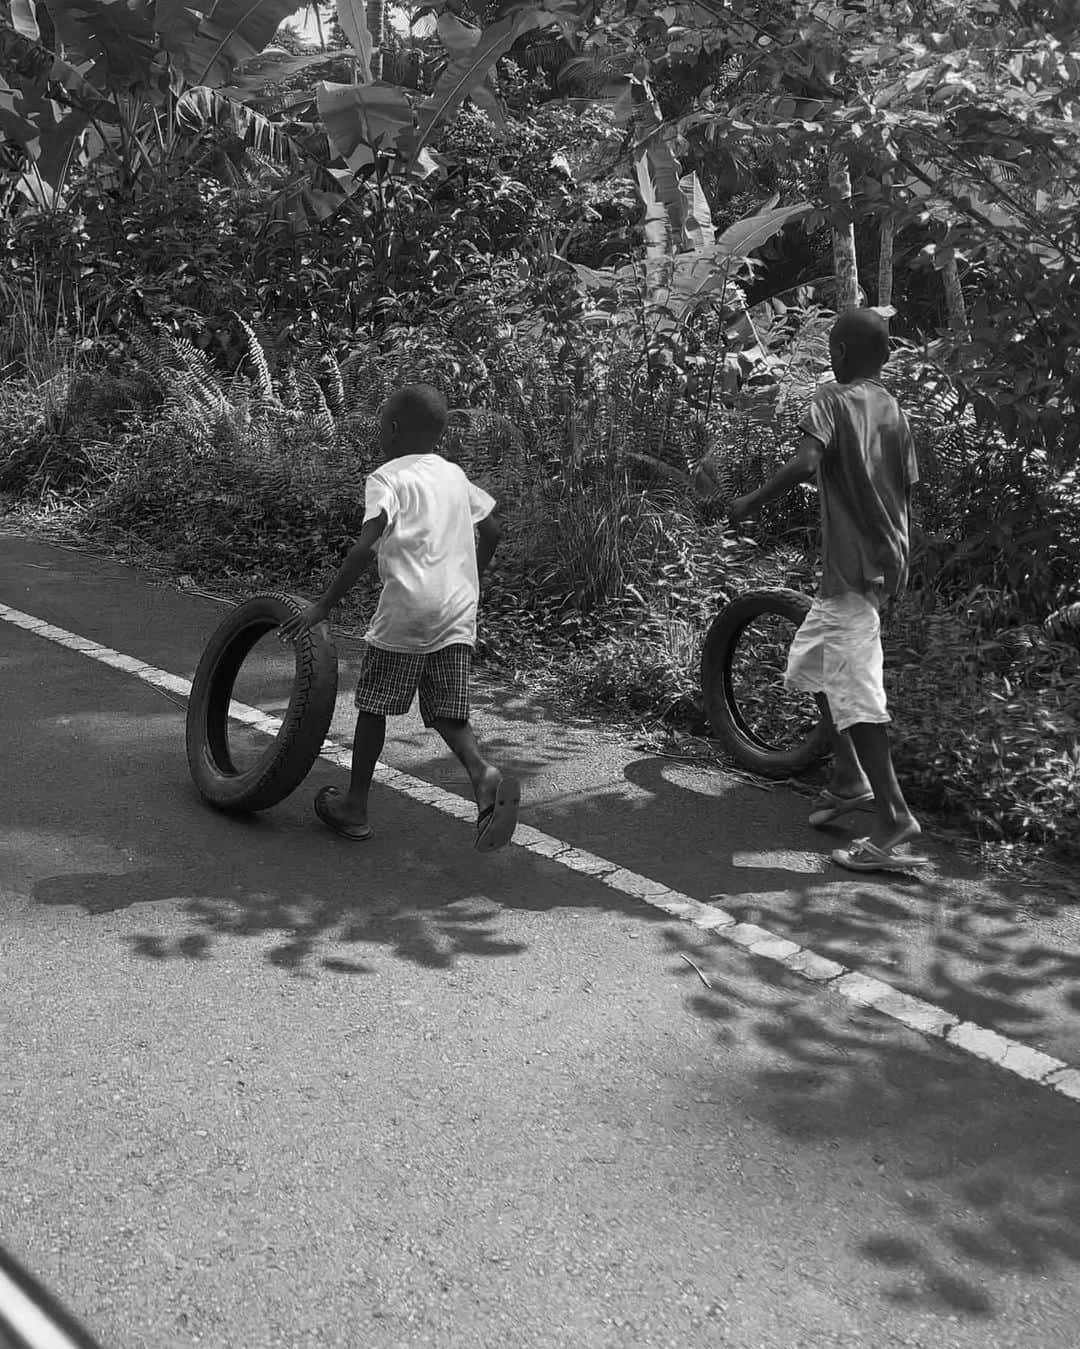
(208, 39)
(467, 71)
(460, 39)
(24, 19)
(352, 16)
(360, 118)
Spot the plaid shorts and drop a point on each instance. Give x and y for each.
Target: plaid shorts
(389, 681)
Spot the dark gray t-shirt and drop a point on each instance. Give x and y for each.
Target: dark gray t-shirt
(863, 480)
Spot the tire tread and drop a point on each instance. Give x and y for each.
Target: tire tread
(290, 756)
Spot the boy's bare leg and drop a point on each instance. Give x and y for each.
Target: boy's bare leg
(895, 822)
(484, 776)
(847, 778)
(368, 741)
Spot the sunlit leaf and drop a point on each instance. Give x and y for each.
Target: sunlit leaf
(24, 19)
(698, 228)
(199, 108)
(746, 235)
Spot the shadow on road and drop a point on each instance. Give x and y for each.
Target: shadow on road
(1005, 1157)
(986, 1168)
(432, 932)
(418, 889)
(988, 950)
(970, 945)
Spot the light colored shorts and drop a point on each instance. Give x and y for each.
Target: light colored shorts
(837, 652)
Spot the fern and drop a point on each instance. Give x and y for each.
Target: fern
(264, 380)
(193, 392)
(1063, 625)
(319, 417)
(334, 387)
(290, 390)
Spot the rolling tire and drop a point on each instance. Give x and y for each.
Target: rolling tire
(728, 726)
(289, 757)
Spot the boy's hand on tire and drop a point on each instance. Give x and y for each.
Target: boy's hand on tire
(311, 617)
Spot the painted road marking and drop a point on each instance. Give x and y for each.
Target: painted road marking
(30, 1316)
(861, 990)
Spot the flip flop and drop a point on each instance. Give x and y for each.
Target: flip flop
(355, 833)
(863, 855)
(833, 807)
(496, 823)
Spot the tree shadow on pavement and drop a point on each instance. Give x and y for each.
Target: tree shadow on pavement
(432, 932)
(418, 889)
(983, 1169)
(988, 950)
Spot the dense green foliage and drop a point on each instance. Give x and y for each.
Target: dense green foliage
(614, 235)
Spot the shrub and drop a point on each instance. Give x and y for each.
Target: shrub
(987, 721)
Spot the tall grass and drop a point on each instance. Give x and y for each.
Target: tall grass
(59, 408)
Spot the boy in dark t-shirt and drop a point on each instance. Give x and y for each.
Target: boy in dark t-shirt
(857, 443)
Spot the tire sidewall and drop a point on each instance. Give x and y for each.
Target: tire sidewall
(717, 654)
(290, 755)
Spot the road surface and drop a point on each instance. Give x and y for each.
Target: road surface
(263, 1087)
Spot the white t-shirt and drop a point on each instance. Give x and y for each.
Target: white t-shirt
(427, 553)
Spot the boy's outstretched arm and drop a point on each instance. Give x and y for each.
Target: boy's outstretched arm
(488, 534)
(358, 557)
(799, 468)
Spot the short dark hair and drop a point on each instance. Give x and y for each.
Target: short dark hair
(419, 409)
(865, 336)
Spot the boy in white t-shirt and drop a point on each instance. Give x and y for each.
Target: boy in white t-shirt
(433, 533)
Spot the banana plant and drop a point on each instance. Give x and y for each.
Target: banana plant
(702, 275)
(685, 266)
(362, 120)
(119, 63)
(460, 39)
(362, 29)
(207, 39)
(409, 128)
(125, 63)
(654, 318)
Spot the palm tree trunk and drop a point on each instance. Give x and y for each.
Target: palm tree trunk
(375, 11)
(955, 308)
(885, 260)
(845, 267)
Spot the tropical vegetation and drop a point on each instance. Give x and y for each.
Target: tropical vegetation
(614, 234)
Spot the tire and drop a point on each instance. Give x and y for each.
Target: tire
(744, 745)
(289, 757)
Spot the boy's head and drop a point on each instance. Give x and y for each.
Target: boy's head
(858, 345)
(412, 420)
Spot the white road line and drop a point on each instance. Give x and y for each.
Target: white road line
(28, 1323)
(859, 989)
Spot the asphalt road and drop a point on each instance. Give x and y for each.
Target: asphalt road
(261, 1087)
